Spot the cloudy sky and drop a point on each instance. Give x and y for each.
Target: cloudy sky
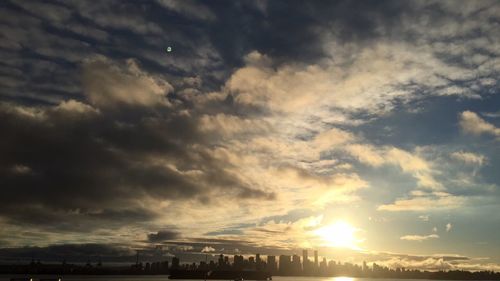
(369, 130)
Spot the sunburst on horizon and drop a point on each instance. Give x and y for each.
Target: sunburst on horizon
(339, 234)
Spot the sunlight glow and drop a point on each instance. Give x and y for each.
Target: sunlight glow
(339, 234)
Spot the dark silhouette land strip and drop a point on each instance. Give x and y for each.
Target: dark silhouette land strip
(254, 267)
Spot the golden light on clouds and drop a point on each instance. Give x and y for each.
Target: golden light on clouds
(340, 234)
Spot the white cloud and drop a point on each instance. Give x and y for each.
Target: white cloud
(469, 157)
(332, 138)
(471, 123)
(232, 125)
(185, 248)
(410, 163)
(448, 227)
(434, 263)
(424, 217)
(419, 238)
(300, 99)
(492, 114)
(107, 84)
(433, 201)
(318, 190)
(21, 169)
(286, 89)
(208, 249)
(366, 154)
(76, 106)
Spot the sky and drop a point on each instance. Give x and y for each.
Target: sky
(368, 130)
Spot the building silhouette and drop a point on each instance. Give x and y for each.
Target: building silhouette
(272, 266)
(175, 263)
(315, 259)
(287, 265)
(305, 262)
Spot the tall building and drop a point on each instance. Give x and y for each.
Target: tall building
(304, 255)
(238, 262)
(315, 259)
(211, 265)
(305, 261)
(164, 266)
(284, 265)
(221, 260)
(323, 267)
(271, 264)
(175, 263)
(296, 265)
(251, 263)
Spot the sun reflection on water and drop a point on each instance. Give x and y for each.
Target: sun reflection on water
(342, 279)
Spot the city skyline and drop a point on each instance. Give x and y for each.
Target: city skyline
(365, 130)
(252, 267)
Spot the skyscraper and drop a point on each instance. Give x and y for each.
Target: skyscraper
(221, 260)
(271, 264)
(175, 263)
(296, 265)
(258, 262)
(305, 261)
(284, 266)
(238, 262)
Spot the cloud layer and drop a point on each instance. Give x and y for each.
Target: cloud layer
(266, 121)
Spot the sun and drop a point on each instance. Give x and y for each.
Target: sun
(339, 234)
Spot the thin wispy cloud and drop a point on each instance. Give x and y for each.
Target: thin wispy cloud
(419, 238)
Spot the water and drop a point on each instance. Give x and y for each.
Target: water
(165, 278)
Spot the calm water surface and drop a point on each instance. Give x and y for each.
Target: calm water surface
(165, 278)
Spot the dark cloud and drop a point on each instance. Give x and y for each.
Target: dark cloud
(48, 46)
(70, 253)
(74, 165)
(163, 235)
(95, 166)
(53, 40)
(296, 30)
